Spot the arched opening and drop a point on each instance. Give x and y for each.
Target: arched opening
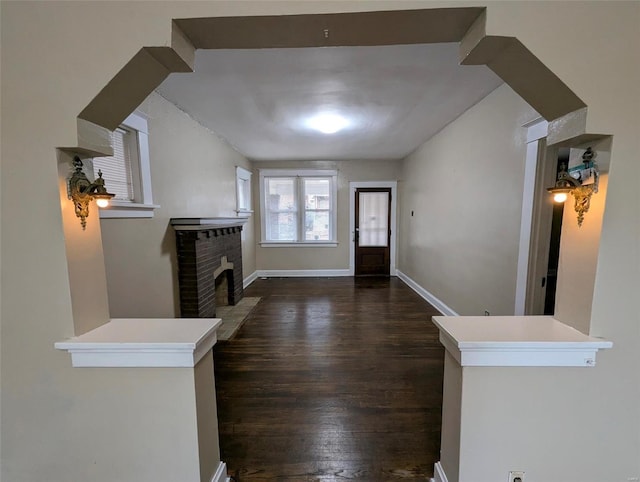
(506, 56)
(531, 79)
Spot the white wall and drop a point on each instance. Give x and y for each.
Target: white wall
(464, 187)
(321, 258)
(57, 56)
(192, 175)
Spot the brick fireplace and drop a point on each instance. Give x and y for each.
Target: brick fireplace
(208, 249)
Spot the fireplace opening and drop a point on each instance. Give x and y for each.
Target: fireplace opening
(222, 285)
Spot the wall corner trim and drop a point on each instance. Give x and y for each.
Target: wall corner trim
(438, 472)
(431, 298)
(249, 279)
(221, 474)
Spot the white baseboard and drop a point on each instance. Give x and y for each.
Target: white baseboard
(221, 473)
(439, 475)
(437, 303)
(302, 273)
(249, 279)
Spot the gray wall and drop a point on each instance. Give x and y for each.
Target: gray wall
(192, 175)
(464, 186)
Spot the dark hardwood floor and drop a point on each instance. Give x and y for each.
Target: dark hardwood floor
(331, 379)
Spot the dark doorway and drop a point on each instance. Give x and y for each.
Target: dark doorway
(550, 281)
(372, 231)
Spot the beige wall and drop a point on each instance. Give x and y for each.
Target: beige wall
(85, 263)
(464, 186)
(536, 420)
(321, 258)
(611, 92)
(207, 413)
(52, 69)
(192, 175)
(579, 249)
(451, 417)
(103, 448)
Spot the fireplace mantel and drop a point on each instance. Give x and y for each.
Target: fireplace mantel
(197, 224)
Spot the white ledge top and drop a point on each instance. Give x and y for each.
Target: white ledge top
(516, 341)
(191, 224)
(144, 342)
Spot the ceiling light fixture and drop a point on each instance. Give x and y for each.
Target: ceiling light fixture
(327, 123)
(580, 181)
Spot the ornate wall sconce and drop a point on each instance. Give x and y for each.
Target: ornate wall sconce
(581, 183)
(82, 191)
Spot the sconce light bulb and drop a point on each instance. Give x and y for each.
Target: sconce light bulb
(102, 203)
(560, 197)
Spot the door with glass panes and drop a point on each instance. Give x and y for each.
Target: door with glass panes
(372, 231)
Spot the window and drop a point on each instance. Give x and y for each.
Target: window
(243, 191)
(127, 173)
(298, 207)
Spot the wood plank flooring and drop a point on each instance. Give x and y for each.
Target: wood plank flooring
(331, 379)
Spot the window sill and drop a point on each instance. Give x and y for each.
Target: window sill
(128, 210)
(308, 244)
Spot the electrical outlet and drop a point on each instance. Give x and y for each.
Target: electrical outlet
(516, 476)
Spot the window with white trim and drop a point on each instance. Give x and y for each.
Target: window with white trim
(298, 207)
(127, 173)
(243, 192)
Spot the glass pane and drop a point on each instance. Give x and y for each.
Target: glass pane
(373, 217)
(243, 191)
(317, 193)
(281, 226)
(316, 226)
(280, 194)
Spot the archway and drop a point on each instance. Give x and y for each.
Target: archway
(504, 55)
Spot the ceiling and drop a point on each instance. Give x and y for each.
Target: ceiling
(391, 98)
